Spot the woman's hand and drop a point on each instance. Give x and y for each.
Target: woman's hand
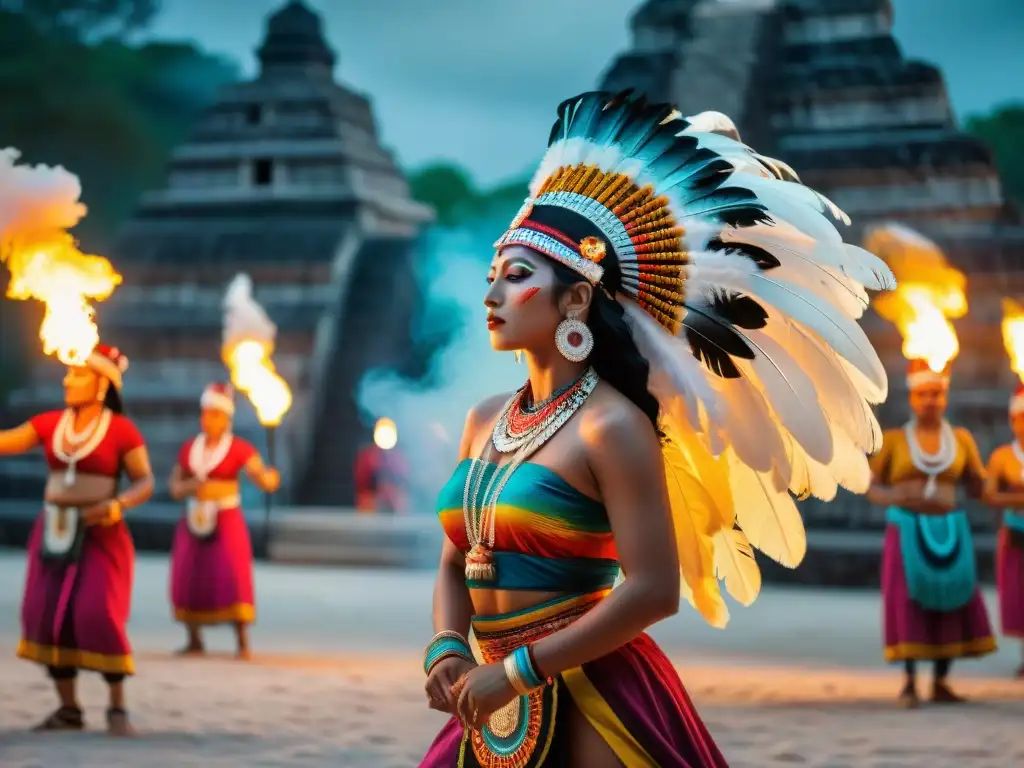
(481, 692)
(182, 489)
(271, 480)
(442, 679)
(104, 513)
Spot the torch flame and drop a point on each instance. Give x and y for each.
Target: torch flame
(928, 295)
(248, 346)
(37, 205)
(1013, 335)
(385, 434)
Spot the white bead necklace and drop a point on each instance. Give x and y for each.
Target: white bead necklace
(202, 460)
(80, 444)
(931, 464)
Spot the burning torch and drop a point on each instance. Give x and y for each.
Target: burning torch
(929, 293)
(38, 204)
(1013, 335)
(247, 348)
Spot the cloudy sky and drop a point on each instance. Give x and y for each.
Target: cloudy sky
(477, 81)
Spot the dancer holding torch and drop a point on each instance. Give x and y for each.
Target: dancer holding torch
(1004, 490)
(211, 561)
(80, 553)
(932, 607)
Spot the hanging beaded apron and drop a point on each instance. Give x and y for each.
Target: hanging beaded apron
(938, 558)
(521, 734)
(201, 516)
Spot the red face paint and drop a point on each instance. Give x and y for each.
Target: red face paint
(528, 294)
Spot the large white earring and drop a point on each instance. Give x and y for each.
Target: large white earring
(574, 340)
(518, 355)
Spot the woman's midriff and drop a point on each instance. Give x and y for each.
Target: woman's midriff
(491, 602)
(217, 490)
(85, 490)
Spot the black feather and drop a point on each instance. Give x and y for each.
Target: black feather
(714, 341)
(765, 260)
(739, 310)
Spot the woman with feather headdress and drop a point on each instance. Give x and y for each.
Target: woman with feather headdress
(688, 314)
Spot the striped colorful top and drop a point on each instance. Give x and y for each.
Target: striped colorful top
(547, 535)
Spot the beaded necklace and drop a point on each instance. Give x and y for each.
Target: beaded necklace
(521, 433)
(931, 464)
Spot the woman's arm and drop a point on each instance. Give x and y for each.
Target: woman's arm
(880, 492)
(140, 473)
(180, 486)
(974, 470)
(21, 439)
(993, 493)
(265, 478)
(453, 608)
(625, 457)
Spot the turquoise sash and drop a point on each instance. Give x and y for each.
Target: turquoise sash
(1014, 521)
(938, 558)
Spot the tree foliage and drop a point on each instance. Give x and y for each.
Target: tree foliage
(84, 19)
(1002, 130)
(452, 194)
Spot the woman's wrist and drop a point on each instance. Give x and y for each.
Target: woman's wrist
(445, 645)
(521, 671)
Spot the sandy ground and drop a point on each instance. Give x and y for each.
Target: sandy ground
(795, 681)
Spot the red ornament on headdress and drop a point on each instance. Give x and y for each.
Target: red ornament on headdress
(1017, 401)
(108, 362)
(219, 396)
(920, 374)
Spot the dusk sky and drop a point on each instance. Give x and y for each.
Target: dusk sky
(477, 81)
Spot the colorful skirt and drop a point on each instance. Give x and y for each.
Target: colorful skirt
(633, 698)
(1010, 582)
(75, 614)
(913, 632)
(211, 578)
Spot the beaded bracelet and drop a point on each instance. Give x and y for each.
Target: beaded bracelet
(521, 672)
(444, 645)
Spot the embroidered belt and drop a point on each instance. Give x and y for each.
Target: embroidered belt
(63, 533)
(201, 516)
(520, 734)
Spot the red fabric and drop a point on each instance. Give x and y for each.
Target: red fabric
(230, 468)
(122, 438)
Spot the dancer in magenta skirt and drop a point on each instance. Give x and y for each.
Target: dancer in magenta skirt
(211, 560)
(655, 282)
(1004, 490)
(932, 607)
(81, 559)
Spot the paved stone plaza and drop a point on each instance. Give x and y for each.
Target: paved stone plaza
(795, 680)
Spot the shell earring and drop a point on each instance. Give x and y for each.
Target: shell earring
(518, 355)
(574, 340)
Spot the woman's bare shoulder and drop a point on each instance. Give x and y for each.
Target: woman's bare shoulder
(611, 421)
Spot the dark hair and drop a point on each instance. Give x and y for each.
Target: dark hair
(113, 401)
(615, 358)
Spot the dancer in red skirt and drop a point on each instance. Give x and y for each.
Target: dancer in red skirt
(81, 559)
(211, 561)
(1004, 490)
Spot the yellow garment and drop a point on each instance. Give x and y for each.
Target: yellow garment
(893, 464)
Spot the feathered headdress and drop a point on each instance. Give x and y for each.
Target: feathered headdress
(743, 297)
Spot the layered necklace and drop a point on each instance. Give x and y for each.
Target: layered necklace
(931, 464)
(79, 444)
(522, 428)
(202, 460)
